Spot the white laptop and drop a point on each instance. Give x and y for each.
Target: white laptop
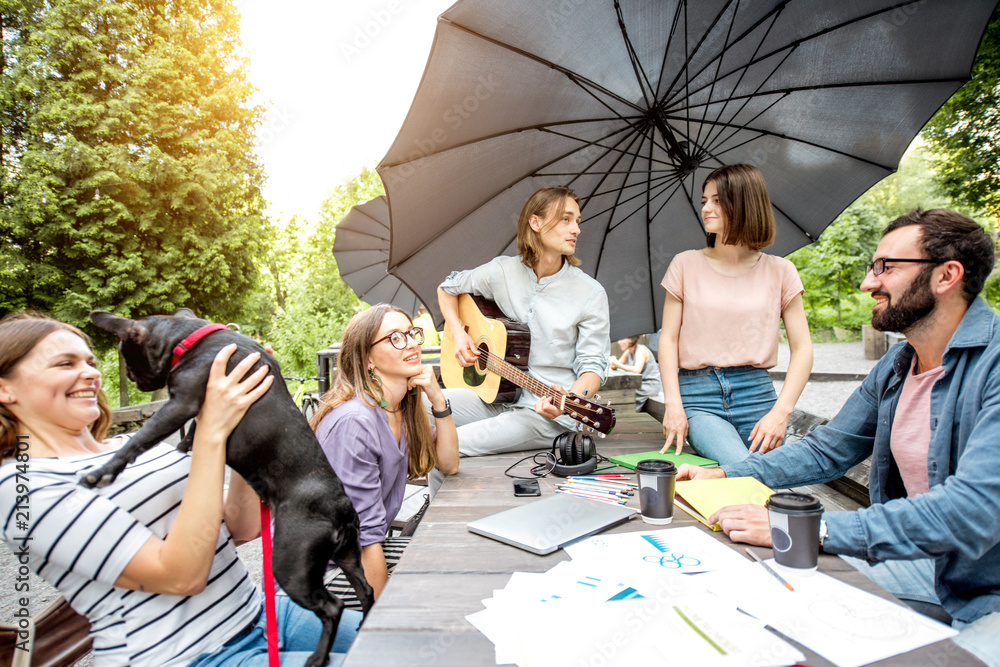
(545, 525)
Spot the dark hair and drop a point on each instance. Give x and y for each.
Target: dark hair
(745, 201)
(632, 341)
(548, 204)
(352, 379)
(949, 235)
(19, 334)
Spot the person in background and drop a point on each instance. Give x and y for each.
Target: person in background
(566, 312)
(928, 416)
(720, 327)
(151, 558)
(376, 434)
(637, 358)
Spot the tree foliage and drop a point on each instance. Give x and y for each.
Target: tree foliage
(316, 302)
(129, 179)
(965, 132)
(833, 267)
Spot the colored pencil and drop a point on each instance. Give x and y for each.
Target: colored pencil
(768, 568)
(603, 499)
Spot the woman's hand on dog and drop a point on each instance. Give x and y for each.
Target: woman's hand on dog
(228, 396)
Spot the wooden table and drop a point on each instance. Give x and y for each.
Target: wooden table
(447, 571)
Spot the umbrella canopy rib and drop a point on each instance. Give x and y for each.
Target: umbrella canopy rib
(790, 45)
(640, 73)
(711, 90)
(572, 76)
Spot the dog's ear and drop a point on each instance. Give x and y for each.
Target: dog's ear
(184, 312)
(122, 327)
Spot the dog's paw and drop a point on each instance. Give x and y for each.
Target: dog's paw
(89, 480)
(97, 478)
(105, 480)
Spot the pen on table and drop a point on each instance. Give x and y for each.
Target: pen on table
(768, 568)
(596, 492)
(603, 499)
(602, 480)
(605, 468)
(592, 489)
(597, 485)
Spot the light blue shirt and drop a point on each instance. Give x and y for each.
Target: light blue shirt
(566, 313)
(957, 522)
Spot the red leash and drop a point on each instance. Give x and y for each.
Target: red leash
(269, 608)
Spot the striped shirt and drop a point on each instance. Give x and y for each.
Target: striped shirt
(80, 541)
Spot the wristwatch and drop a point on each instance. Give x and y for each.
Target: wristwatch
(823, 534)
(444, 413)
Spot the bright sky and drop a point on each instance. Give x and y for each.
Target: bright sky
(338, 77)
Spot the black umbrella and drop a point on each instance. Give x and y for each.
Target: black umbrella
(632, 103)
(361, 247)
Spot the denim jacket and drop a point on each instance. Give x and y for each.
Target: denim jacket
(957, 522)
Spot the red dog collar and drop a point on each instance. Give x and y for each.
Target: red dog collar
(189, 342)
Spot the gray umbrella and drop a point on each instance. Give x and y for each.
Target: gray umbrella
(632, 103)
(361, 247)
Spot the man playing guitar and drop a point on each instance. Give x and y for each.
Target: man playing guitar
(566, 312)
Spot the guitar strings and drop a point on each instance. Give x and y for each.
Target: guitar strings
(503, 368)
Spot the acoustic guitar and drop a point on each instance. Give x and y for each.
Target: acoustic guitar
(498, 375)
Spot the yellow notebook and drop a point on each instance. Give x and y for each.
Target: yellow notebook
(701, 498)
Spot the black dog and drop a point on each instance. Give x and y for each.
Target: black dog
(273, 448)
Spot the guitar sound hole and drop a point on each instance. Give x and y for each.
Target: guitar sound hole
(484, 350)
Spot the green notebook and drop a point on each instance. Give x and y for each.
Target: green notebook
(630, 460)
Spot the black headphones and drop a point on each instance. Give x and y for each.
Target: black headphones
(573, 453)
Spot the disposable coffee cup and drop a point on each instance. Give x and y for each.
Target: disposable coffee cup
(656, 491)
(794, 520)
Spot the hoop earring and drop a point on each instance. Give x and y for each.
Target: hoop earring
(377, 382)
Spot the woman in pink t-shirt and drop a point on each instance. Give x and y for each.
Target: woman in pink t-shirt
(720, 327)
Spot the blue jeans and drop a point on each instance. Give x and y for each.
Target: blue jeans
(298, 633)
(722, 407)
(914, 580)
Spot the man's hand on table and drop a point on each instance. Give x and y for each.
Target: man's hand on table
(744, 523)
(688, 471)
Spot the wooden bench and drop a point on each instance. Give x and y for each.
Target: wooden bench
(853, 485)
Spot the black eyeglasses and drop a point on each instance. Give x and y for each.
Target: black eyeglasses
(878, 266)
(398, 338)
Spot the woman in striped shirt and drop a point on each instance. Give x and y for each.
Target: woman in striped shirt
(144, 558)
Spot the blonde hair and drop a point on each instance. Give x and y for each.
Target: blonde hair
(352, 380)
(745, 200)
(548, 204)
(19, 334)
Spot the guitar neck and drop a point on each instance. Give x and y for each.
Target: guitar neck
(522, 379)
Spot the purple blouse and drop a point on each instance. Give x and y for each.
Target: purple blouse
(364, 453)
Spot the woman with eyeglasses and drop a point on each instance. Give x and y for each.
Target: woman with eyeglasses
(375, 431)
(721, 321)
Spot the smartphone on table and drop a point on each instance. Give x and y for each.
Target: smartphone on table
(526, 487)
